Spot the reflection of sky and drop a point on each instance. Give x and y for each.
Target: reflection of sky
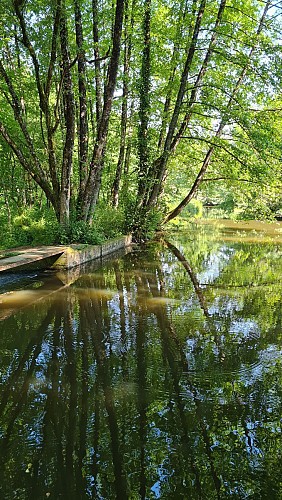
(267, 359)
(215, 264)
(239, 327)
(224, 306)
(245, 328)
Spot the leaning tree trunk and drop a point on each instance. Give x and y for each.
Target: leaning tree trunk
(152, 186)
(200, 177)
(173, 137)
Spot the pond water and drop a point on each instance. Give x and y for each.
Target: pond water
(157, 375)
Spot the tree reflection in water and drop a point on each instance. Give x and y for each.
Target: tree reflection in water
(140, 381)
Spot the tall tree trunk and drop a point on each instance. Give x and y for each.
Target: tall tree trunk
(173, 65)
(50, 128)
(92, 189)
(144, 110)
(128, 148)
(83, 115)
(124, 110)
(98, 76)
(69, 117)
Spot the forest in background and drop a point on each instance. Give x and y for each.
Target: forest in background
(119, 116)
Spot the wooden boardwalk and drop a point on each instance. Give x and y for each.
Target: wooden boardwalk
(31, 258)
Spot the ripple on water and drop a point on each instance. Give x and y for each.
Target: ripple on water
(244, 329)
(246, 373)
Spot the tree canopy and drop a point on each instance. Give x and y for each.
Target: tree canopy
(139, 106)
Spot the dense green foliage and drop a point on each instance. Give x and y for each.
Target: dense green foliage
(136, 105)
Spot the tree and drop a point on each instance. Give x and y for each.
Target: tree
(57, 78)
(121, 102)
(223, 122)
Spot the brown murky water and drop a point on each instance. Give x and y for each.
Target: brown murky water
(157, 375)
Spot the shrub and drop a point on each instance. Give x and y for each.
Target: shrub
(143, 223)
(109, 221)
(80, 232)
(31, 227)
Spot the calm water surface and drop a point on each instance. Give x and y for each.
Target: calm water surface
(157, 375)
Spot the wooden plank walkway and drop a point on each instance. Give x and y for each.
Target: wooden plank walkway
(30, 258)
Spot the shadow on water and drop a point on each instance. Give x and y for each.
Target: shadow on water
(156, 376)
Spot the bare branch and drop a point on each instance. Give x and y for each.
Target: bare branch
(99, 59)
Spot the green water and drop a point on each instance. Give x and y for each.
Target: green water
(157, 375)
